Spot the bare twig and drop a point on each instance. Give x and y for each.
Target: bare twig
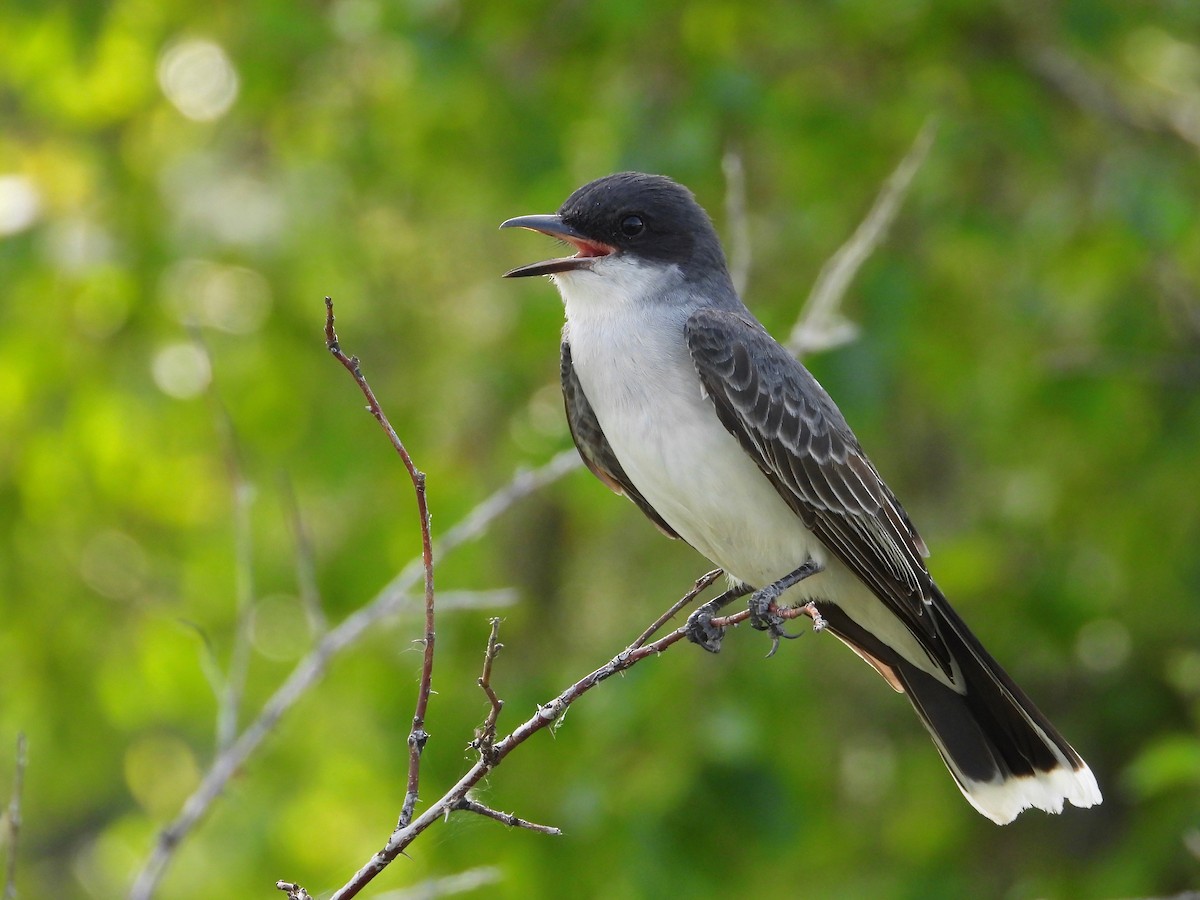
(466, 804)
(294, 891)
(702, 584)
(1106, 98)
(821, 326)
(393, 598)
(306, 673)
(14, 818)
(230, 684)
(545, 716)
(485, 741)
(229, 707)
(418, 736)
(740, 247)
(306, 578)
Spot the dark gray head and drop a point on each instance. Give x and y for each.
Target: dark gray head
(649, 217)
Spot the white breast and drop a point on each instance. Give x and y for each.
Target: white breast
(647, 396)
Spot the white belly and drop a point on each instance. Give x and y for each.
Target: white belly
(694, 473)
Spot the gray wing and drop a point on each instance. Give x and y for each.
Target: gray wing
(791, 428)
(593, 446)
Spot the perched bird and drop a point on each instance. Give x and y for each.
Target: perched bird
(678, 398)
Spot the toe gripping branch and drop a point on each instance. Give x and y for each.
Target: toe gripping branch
(765, 612)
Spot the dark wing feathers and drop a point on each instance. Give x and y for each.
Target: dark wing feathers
(593, 446)
(791, 428)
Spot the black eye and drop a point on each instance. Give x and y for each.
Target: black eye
(631, 226)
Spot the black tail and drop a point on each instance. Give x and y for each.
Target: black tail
(1004, 754)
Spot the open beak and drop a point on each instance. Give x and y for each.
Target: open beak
(588, 250)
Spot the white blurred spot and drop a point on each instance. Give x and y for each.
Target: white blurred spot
(354, 20)
(206, 195)
(230, 298)
(20, 203)
(1103, 644)
(77, 244)
(114, 564)
(181, 370)
(198, 78)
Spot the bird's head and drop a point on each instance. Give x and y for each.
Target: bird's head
(627, 221)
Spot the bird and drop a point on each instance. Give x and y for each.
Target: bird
(678, 398)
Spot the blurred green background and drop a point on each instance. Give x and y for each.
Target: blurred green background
(180, 185)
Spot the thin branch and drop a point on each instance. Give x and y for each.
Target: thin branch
(466, 804)
(485, 740)
(1137, 109)
(395, 597)
(229, 707)
(740, 248)
(306, 574)
(418, 736)
(702, 584)
(14, 818)
(525, 482)
(231, 684)
(545, 716)
(821, 326)
(307, 672)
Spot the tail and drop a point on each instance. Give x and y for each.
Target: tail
(1004, 754)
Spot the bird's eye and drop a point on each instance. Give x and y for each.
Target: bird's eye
(631, 226)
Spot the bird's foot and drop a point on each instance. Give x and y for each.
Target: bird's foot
(765, 616)
(700, 629)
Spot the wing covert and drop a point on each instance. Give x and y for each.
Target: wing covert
(800, 441)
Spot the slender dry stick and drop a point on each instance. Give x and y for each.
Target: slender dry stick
(393, 598)
(545, 716)
(14, 818)
(1142, 109)
(418, 736)
(229, 707)
(702, 584)
(740, 247)
(306, 673)
(821, 326)
(231, 684)
(306, 573)
(466, 804)
(486, 738)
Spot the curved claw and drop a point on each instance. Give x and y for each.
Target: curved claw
(700, 630)
(774, 645)
(776, 631)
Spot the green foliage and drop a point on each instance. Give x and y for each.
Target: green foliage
(181, 184)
